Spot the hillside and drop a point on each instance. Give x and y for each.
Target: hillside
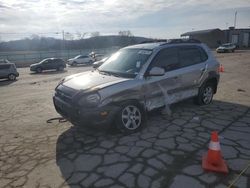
(49, 43)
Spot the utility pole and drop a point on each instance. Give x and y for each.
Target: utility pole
(63, 39)
(235, 15)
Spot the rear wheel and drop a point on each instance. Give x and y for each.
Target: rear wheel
(205, 95)
(12, 77)
(130, 118)
(60, 68)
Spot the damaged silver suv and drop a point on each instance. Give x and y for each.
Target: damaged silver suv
(138, 79)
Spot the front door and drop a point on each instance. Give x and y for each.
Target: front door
(162, 90)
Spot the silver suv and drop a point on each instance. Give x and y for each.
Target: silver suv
(138, 79)
(8, 70)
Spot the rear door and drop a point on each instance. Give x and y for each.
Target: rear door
(4, 70)
(159, 89)
(47, 65)
(193, 66)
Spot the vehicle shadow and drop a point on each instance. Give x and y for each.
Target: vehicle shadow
(80, 65)
(48, 72)
(90, 157)
(4, 82)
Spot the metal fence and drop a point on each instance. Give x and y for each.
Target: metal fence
(25, 58)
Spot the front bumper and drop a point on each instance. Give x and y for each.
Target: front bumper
(86, 116)
(32, 68)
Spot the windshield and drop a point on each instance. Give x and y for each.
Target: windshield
(226, 45)
(77, 57)
(43, 60)
(126, 62)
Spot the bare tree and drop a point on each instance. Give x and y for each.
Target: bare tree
(68, 36)
(35, 36)
(95, 34)
(80, 35)
(125, 33)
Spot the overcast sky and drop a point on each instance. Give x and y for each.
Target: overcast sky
(149, 18)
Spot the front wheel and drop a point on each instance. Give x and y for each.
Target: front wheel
(130, 118)
(12, 77)
(205, 95)
(39, 70)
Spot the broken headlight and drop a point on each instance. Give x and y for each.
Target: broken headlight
(90, 100)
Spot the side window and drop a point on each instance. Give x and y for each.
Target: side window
(204, 56)
(167, 58)
(2, 67)
(45, 62)
(81, 57)
(191, 55)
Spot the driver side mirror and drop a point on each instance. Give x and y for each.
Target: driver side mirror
(156, 71)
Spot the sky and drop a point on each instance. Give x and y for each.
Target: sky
(148, 18)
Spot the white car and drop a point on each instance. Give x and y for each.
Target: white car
(80, 59)
(229, 47)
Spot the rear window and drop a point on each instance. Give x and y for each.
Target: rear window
(191, 56)
(5, 66)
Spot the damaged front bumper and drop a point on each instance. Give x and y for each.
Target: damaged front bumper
(82, 116)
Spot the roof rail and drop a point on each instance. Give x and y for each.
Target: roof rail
(153, 41)
(176, 41)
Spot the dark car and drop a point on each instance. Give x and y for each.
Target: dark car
(48, 64)
(8, 70)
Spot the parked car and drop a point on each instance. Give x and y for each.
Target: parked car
(229, 47)
(48, 64)
(99, 63)
(80, 59)
(138, 79)
(8, 70)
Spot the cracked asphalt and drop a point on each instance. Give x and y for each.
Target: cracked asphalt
(166, 153)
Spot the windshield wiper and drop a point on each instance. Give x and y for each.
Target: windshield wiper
(104, 72)
(109, 73)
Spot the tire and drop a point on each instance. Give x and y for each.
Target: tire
(90, 62)
(12, 77)
(60, 68)
(130, 118)
(74, 64)
(39, 70)
(205, 95)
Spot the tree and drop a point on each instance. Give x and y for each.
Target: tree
(95, 34)
(80, 35)
(126, 33)
(35, 36)
(68, 36)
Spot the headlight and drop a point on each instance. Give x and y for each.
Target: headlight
(90, 100)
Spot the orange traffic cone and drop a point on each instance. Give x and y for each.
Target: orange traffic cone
(213, 161)
(221, 68)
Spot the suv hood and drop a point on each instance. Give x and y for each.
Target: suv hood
(91, 80)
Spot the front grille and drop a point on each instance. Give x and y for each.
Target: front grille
(65, 93)
(63, 96)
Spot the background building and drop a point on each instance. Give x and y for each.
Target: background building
(240, 37)
(214, 37)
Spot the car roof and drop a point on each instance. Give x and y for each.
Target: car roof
(150, 45)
